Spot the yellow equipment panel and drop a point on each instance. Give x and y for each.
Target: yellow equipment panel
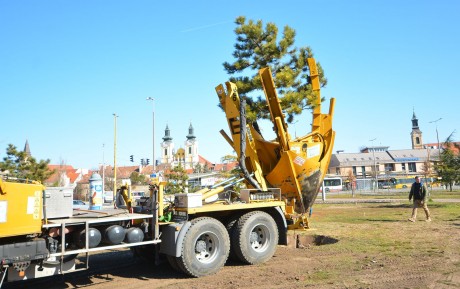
(21, 208)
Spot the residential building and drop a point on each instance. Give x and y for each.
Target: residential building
(64, 176)
(380, 161)
(388, 163)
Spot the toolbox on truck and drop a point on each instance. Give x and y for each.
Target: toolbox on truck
(58, 202)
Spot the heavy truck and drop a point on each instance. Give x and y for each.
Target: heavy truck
(197, 232)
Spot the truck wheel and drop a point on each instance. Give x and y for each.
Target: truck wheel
(231, 225)
(255, 237)
(205, 247)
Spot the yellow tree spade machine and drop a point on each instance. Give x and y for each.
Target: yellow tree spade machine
(197, 232)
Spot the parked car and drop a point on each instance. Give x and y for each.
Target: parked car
(108, 196)
(78, 204)
(137, 195)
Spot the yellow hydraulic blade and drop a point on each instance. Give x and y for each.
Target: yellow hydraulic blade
(274, 106)
(230, 102)
(301, 164)
(296, 166)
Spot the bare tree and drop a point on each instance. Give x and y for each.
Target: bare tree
(351, 179)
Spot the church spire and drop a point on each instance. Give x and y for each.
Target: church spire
(414, 120)
(167, 136)
(190, 135)
(416, 134)
(27, 148)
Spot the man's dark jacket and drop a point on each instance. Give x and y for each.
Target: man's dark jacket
(418, 191)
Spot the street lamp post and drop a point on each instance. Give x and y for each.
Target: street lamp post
(437, 136)
(103, 170)
(375, 167)
(115, 116)
(153, 132)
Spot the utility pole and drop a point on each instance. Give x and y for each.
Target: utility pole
(153, 132)
(375, 167)
(437, 136)
(103, 171)
(115, 116)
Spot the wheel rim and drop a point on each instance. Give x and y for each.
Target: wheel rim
(259, 238)
(206, 247)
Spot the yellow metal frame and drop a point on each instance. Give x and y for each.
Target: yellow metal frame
(219, 207)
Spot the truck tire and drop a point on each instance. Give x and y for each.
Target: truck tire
(255, 237)
(205, 247)
(230, 225)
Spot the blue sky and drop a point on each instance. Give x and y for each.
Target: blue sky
(67, 66)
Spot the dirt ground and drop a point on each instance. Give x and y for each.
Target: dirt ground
(350, 246)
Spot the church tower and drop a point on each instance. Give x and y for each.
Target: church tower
(167, 148)
(27, 148)
(191, 149)
(416, 134)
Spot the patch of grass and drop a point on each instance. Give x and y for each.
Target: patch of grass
(319, 276)
(377, 237)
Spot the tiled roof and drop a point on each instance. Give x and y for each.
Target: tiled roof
(122, 172)
(85, 178)
(203, 161)
(226, 167)
(68, 170)
(73, 176)
(148, 170)
(453, 146)
(61, 167)
(125, 172)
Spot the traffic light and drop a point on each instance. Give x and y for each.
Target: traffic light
(148, 161)
(131, 158)
(142, 162)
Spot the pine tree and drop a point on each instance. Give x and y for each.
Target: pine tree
(448, 167)
(258, 47)
(177, 178)
(20, 165)
(137, 179)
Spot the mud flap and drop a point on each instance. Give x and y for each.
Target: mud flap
(172, 237)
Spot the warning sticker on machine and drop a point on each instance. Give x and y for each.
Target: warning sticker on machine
(30, 205)
(36, 214)
(313, 151)
(299, 161)
(3, 207)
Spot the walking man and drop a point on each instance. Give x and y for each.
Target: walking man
(418, 191)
